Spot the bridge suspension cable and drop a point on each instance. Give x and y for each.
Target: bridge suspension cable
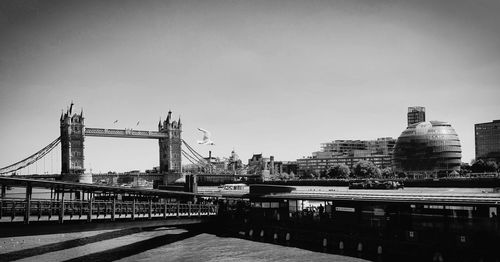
(31, 159)
(197, 159)
(191, 159)
(196, 154)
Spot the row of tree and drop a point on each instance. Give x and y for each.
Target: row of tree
(366, 169)
(480, 166)
(362, 169)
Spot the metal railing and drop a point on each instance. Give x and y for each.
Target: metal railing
(17, 210)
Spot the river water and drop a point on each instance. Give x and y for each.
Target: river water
(206, 247)
(162, 244)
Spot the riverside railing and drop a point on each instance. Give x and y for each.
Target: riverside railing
(21, 210)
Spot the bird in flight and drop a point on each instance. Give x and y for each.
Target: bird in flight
(206, 137)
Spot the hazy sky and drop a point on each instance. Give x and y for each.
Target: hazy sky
(271, 77)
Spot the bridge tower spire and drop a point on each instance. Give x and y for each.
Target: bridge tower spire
(170, 149)
(72, 139)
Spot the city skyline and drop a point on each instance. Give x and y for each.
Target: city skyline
(271, 77)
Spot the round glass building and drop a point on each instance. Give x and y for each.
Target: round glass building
(428, 146)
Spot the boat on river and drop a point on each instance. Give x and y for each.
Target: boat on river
(375, 184)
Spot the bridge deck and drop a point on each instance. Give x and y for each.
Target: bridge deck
(125, 133)
(101, 203)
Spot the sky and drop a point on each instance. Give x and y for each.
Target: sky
(271, 77)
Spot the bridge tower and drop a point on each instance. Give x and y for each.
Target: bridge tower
(170, 149)
(72, 138)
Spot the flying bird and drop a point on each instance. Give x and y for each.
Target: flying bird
(206, 137)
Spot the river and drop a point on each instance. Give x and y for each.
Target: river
(161, 244)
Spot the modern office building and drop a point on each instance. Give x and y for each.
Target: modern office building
(357, 148)
(488, 140)
(428, 146)
(416, 114)
(349, 152)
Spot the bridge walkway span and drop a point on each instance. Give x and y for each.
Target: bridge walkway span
(86, 203)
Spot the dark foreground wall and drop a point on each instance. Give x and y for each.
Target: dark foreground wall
(376, 231)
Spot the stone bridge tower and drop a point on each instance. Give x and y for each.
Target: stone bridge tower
(72, 138)
(170, 149)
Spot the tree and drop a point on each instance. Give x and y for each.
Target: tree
(339, 171)
(478, 166)
(465, 168)
(491, 166)
(284, 176)
(308, 174)
(323, 173)
(387, 172)
(316, 174)
(366, 169)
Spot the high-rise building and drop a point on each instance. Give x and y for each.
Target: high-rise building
(416, 114)
(488, 140)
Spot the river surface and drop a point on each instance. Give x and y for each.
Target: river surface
(162, 244)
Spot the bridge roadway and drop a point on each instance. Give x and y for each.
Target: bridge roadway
(125, 133)
(103, 203)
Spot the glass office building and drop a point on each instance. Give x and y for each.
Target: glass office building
(488, 140)
(428, 146)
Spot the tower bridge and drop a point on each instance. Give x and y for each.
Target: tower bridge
(73, 133)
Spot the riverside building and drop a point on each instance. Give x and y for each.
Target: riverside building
(488, 140)
(349, 152)
(428, 147)
(265, 167)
